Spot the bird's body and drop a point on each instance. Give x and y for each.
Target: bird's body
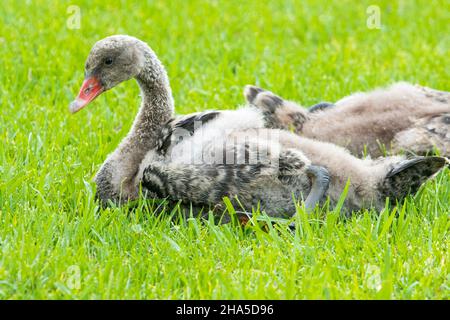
(402, 117)
(203, 157)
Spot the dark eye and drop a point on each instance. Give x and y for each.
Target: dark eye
(446, 120)
(108, 61)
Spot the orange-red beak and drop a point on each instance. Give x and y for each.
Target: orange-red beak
(90, 89)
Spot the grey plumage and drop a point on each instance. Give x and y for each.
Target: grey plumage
(402, 117)
(371, 181)
(230, 153)
(132, 58)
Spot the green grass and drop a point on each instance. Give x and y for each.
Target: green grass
(51, 228)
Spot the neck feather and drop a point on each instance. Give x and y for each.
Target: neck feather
(156, 109)
(157, 103)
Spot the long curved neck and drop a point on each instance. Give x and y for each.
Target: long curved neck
(156, 108)
(116, 177)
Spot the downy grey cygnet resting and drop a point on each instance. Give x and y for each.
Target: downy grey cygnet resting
(269, 166)
(402, 117)
(152, 155)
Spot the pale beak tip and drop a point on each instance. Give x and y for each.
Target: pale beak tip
(76, 106)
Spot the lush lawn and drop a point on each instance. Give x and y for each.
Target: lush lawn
(55, 242)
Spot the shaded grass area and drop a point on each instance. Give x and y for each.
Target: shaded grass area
(55, 242)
